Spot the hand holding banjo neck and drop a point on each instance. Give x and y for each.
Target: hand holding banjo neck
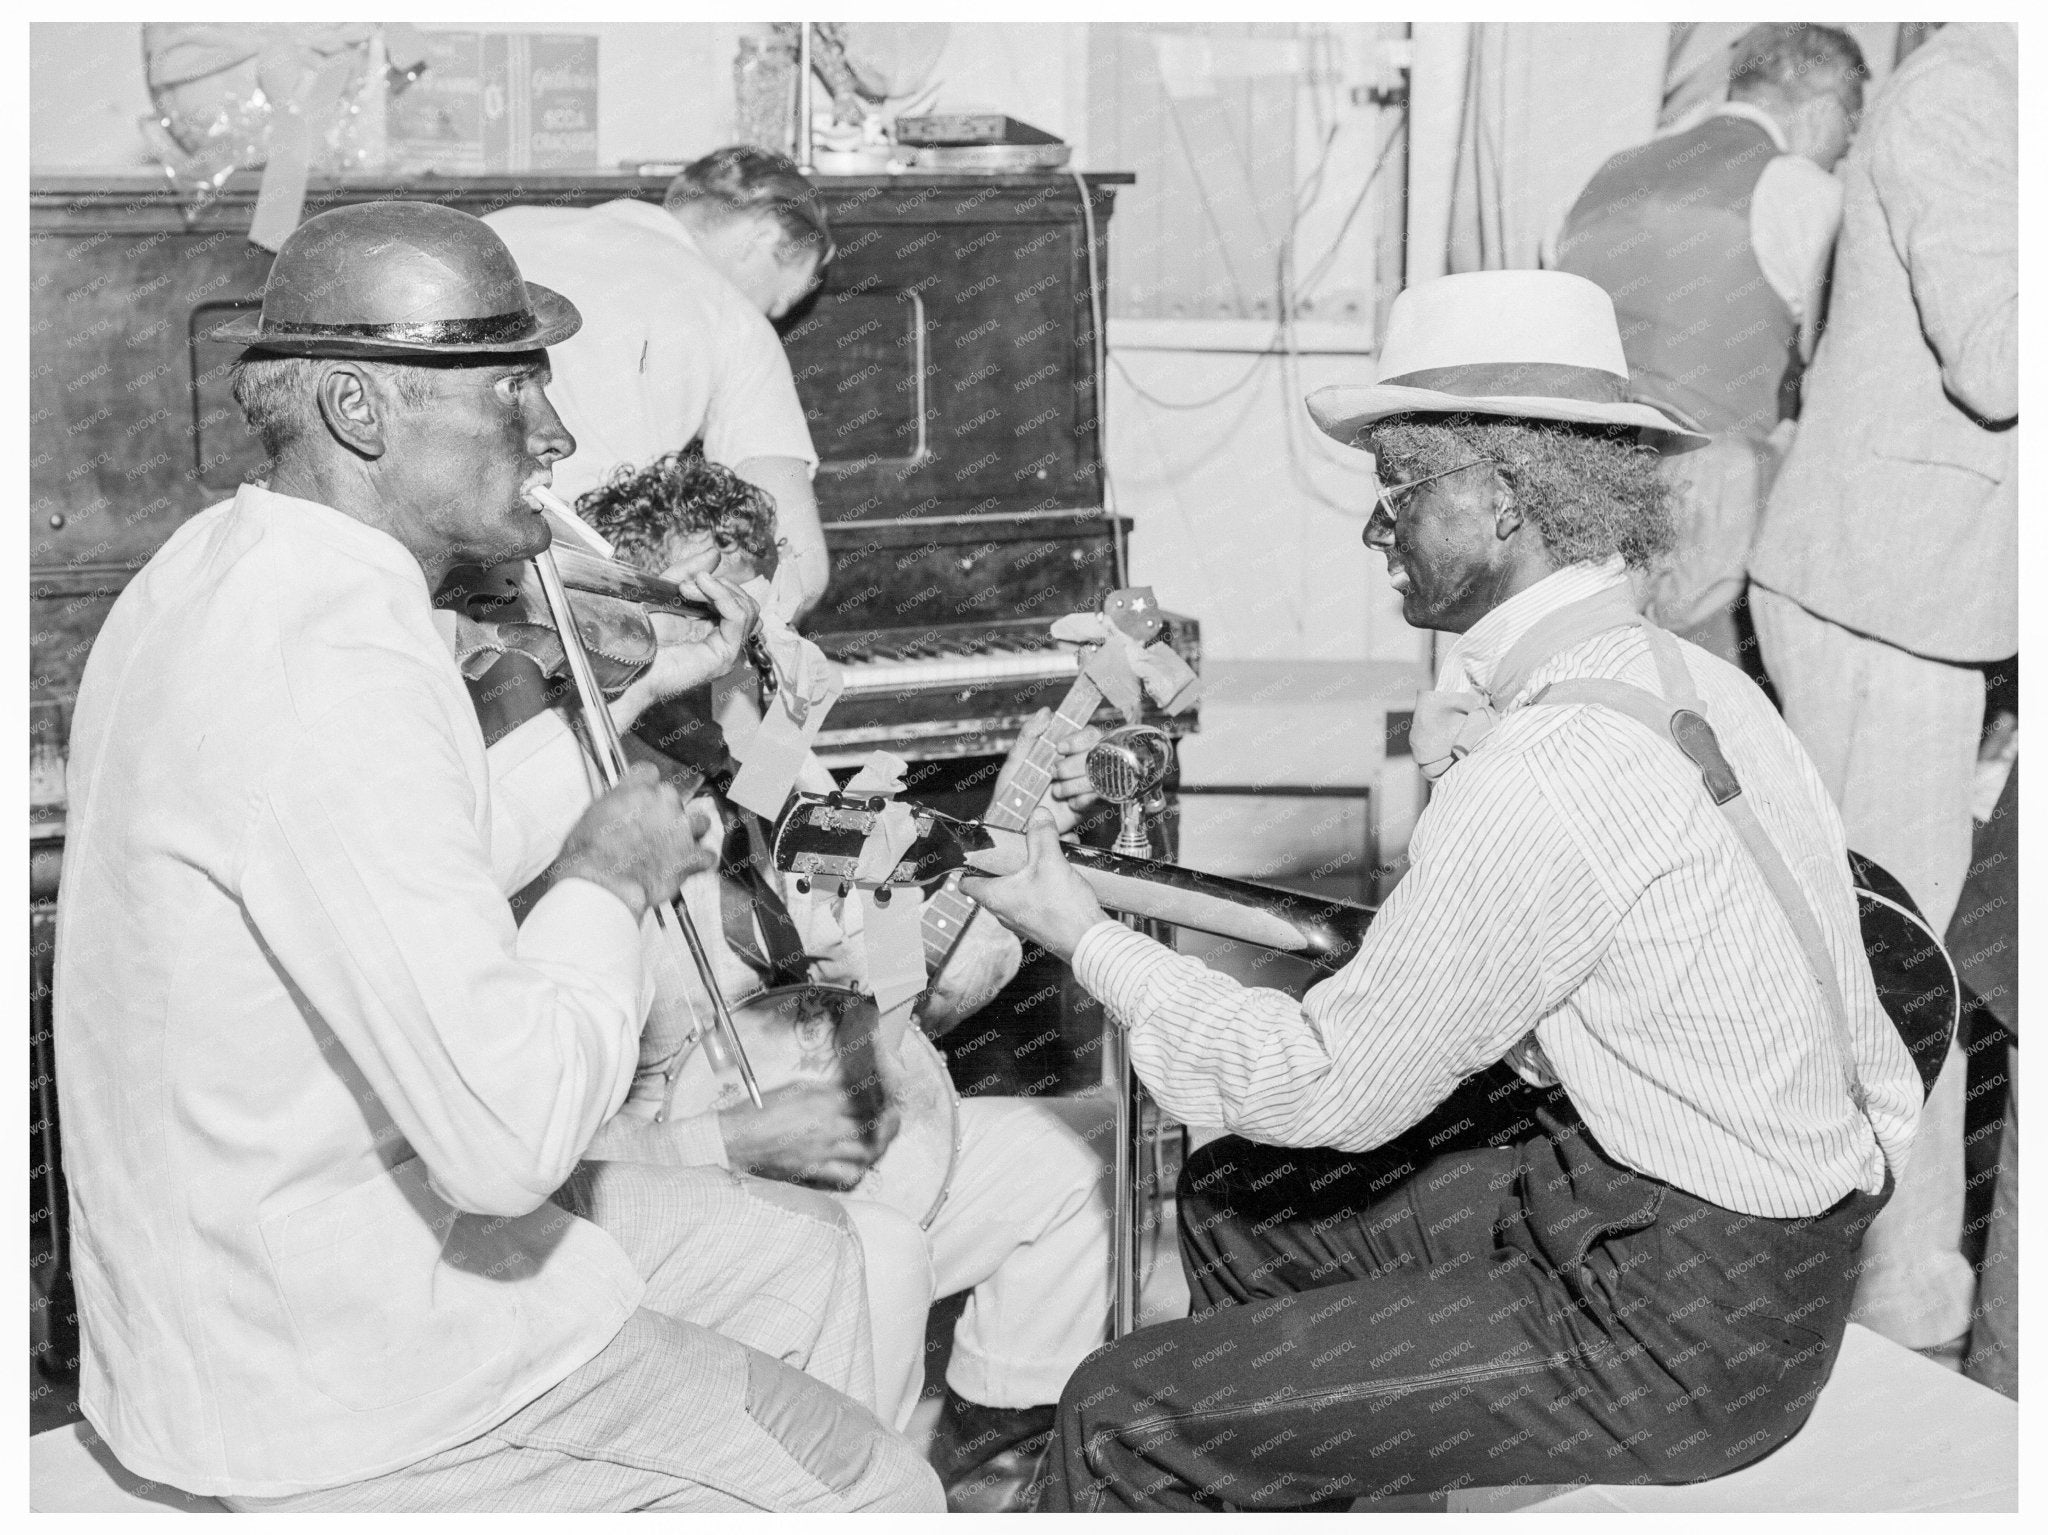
(1131, 620)
(822, 837)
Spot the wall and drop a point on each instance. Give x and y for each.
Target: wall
(665, 91)
(1246, 515)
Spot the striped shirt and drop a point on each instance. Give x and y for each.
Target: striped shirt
(1575, 905)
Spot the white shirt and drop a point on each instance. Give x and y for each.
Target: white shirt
(1577, 905)
(1795, 212)
(669, 348)
(316, 1085)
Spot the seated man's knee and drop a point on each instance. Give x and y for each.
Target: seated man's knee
(837, 1441)
(809, 1203)
(823, 1232)
(897, 1253)
(1099, 1385)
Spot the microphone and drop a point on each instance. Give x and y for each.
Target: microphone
(1126, 767)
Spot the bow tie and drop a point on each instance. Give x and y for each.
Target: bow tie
(1449, 724)
(1448, 727)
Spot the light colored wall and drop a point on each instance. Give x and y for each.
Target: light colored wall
(665, 88)
(1246, 516)
(85, 92)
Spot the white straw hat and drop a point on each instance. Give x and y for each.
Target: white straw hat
(1534, 344)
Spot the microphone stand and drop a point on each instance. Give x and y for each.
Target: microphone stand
(611, 764)
(1126, 769)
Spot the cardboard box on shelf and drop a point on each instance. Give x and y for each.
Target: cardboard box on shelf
(498, 101)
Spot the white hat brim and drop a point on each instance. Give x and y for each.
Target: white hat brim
(1343, 412)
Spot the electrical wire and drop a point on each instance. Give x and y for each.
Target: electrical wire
(1095, 320)
(1379, 164)
(1258, 362)
(1300, 453)
(1289, 287)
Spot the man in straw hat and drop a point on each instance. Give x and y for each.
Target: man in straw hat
(318, 1087)
(1562, 1177)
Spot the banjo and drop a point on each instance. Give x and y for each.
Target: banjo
(828, 1033)
(822, 1033)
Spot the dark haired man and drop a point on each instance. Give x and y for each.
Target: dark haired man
(683, 509)
(1562, 1178)
(318, 1087)
(676, 341)
(1713, 243)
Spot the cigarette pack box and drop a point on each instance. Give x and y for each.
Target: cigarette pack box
(496, 102)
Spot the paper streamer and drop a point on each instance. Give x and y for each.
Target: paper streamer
(881, 773)
(895, 950)
(1109, 667)
(894, 830)
(1122, 664)
(282, 196)
(893, 934)
(1169, 679)
(772, 756)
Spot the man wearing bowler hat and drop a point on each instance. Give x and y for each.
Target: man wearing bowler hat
(318, 1086)
(1562, 1177)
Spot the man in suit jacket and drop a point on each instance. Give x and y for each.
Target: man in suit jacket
(1888, 559)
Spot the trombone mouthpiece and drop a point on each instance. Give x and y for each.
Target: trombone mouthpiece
(548, 501)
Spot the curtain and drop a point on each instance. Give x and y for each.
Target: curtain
(1544, 106)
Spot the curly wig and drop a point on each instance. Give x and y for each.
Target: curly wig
(642, 510)
(1592, 491)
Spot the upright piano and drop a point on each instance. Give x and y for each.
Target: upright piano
(949, 368)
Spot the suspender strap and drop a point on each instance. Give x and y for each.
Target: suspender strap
(1556, 633)
(747, 894)
(1686, 728)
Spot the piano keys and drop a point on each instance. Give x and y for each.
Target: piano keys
(931, 693)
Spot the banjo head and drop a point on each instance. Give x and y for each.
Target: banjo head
(827, 1034)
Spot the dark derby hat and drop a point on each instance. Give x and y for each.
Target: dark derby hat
(397, 279)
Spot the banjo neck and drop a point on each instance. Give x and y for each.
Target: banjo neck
(1019, 789)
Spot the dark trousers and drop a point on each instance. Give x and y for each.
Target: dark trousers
(1487, 1300)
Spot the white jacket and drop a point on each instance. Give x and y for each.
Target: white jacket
(316, 1087)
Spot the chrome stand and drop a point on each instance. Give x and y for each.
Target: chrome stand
(1126, 768)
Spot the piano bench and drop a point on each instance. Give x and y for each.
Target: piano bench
(71, 1470)
(1890, 1433)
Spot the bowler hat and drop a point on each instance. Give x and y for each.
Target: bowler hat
(1543, 345)
(396, 279)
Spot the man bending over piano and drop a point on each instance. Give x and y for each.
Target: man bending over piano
(1562, 1178)
(1024, 1223)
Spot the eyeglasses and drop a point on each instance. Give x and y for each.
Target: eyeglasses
(1387, 504)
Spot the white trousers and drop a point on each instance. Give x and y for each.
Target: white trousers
(1894, 736)
(1024, 1230)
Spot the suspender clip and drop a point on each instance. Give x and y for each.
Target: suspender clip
(1696, 738)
